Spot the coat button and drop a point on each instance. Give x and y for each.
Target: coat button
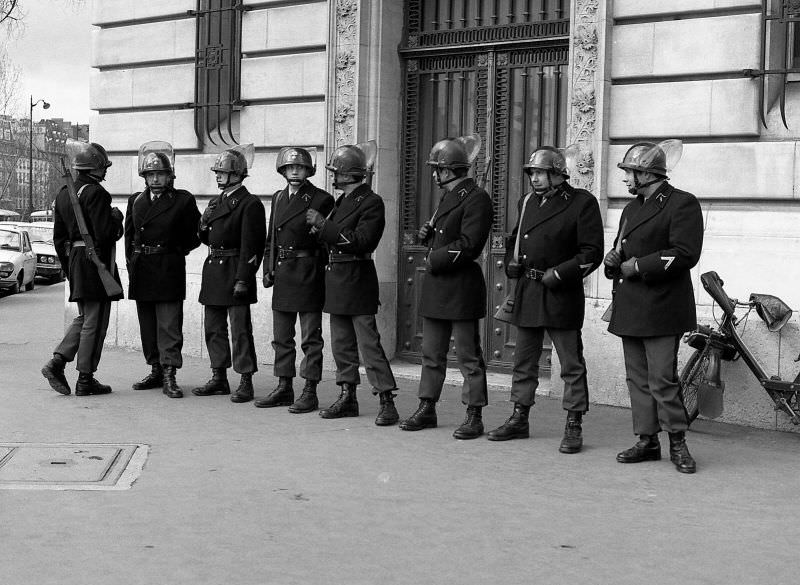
(220, 261)
(441, 231)
(525, 236)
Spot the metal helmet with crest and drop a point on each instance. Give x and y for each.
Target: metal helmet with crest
(156, 155)
(235, 160)
(455, 153)
(294, 155)
(355, 160)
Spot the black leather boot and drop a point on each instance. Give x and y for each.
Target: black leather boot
(573, 439)
(308, 401)
(89, 386)
(647, 448)
(472, 427)
(423, 418)
(679, 453)
(54, 372)
(283, 395)
(171, 387)
(244, 393)
(345, 405)
(516, 427)
(218, 384)
(155, 379)
(387, 413)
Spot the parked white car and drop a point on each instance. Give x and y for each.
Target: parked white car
(47, 264)
(17, 260)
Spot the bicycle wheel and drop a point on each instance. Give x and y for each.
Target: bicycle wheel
(691, 375)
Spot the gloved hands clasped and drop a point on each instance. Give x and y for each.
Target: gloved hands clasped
(240, 290)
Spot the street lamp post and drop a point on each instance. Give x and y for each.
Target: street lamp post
(45, 105)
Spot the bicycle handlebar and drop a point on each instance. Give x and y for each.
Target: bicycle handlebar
(713, 285)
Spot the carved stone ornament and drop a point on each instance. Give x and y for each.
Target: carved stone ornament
(346, 66)
(583, 119)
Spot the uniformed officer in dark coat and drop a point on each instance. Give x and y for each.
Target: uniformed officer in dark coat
(659, 241)
(453, 298)
(558, 241)
(233, 226)
(85, 335)
(160, 230)
(294, 265)
(351, 233)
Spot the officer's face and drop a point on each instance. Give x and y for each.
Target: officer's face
(296, 174)
(442, 176)
(157, 181)
(630, 181)
(223, 179)
(540, 180)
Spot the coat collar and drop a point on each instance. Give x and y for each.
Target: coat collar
(346, 205)
(650, 207)
(454, 198)
(299, 203)
(227, 202)
(145, 210)
(557, 203)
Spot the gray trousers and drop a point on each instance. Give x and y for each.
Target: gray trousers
(651, 365)
(351, 334)
(435, 344)
(85, 335)
(568, 344)
(161, 330)
(283, 333)
(219, 349)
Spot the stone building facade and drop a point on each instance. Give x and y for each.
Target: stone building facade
(321, 74)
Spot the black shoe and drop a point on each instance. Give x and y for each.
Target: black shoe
(472, 427)
(647, 448)
(423, 418)
(345, 405)
(244, 393)
(308, 401)
(171, 387)
(155, 379)
(217, 385)
(516, 427)
(283, 395)
(573, 439)
(88, 386)
(679, 453)
(387, 413)
(54, 372)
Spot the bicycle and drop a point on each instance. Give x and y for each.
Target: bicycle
(700, 379)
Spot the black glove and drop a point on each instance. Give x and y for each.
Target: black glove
(424, 232)
(207, 213)
(629, 269)
(268, 280)
(240, 290)
(515, 270)
(315, 219)
(550, 278)
(612, 259)
(116, 214)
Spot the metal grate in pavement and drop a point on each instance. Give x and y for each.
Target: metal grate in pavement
(70, 466)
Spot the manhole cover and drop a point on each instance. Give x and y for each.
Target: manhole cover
(69, 466)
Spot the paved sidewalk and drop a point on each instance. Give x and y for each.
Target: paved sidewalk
(231, 494)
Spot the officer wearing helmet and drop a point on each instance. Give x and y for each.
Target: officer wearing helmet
(659, 241)
(351, 233)
(294, 266)
(233, 226)
(453, 297)
(160, 231)
(556, 243)
(85, 335)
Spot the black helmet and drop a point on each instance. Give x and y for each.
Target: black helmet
(292, 155)
(235, 160)
(156, 155)
(90, 156)
(547, 158)
(647, 157)
(455, 153)
(355, 160)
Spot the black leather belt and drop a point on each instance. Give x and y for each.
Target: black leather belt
(534, 274)
(147, 250)
(219, 252)
(287, 253)
(335, 257)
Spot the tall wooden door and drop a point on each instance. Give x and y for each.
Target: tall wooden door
(498, 68)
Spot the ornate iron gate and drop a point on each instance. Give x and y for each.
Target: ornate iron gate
(495, 67)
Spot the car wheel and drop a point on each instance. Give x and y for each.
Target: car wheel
(14, 289)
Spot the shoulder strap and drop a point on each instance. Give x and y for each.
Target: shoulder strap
(519, 225)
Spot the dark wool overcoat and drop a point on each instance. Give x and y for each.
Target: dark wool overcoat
(354, 228)
(564, 233)
(665, 234)
(171, 223)
(299, 282)
(237, 222)
(454, 287)
(95, 202)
